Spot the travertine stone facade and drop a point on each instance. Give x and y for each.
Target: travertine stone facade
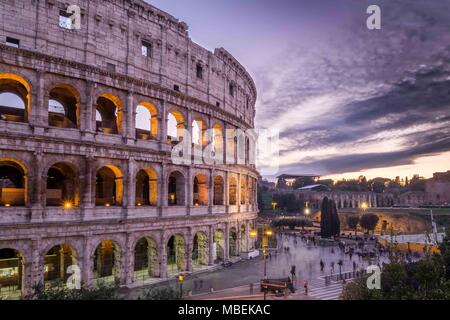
(95, 166)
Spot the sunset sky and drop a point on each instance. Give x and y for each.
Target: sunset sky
(346, 100)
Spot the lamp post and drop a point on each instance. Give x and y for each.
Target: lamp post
(180, 281)
(267, 233)
(274, 205)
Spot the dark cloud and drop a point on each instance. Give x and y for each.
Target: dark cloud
(391, 84)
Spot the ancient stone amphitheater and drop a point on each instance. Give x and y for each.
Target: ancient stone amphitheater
(92, 101)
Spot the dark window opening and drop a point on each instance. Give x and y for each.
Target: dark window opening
(199, 71)
(111, 67)
(146, 49)
(12, 42)
(176, 87)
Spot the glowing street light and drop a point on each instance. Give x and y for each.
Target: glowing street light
(67, 205)
(364, 205)
(274, 205)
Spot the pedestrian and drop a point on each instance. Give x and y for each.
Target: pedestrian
(306, 287)
(322, 265)
(332, 266)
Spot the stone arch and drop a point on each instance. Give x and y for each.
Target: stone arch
(200, 249)
(109, 114)
(199, 131)
(107, 262)
(219, 244)
(64, 106)
(15, 96)
(200, 190)
(243, 238)
(57, 260)
(176, 188)
(146, 121)
(175, 125)
(63, 186)
(250, 190)
(13, 183)
(12, 272)
(217, 142)
(232, 191)
(243, 189)
(176, 253)
(219, 186)
(233, 242)
(109, 186)
(146, 187)
(146, 259)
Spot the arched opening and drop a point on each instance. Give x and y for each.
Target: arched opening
(62, 186)
(108, 186)
(218, 190)
(200, 190)
(107, 260)
(243, 190)
(199, 136)
(233, 191)
(146, 121)
(218, 143)
(175, 127)
(146, 188)
(12, 184)
(11, 273)
(176, 187)
(146, 259)
(14, 98)
(250, 191)
(233, 242)
(63, 107)
(219, 246)
(243, 239)
(200, 250)
(176, 254)
(109, 114)
(56, 263)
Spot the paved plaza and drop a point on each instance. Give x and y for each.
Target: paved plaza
(291, 250)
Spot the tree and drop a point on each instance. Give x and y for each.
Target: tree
(291, 223)
(100, 292)
(162, 293)
(325, 219)
(369, 221)
(352, 222)
(335, 223)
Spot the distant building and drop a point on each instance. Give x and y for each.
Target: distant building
(437, 189)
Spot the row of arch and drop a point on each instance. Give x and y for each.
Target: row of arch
(64, 111)
(107, 260)
(63, 187)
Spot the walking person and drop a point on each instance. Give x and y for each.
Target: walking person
(322, 265)
(306, 287)
(332, 267)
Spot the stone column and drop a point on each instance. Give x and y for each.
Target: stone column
(227, 241)
(38, 190)
(130, 119)
(88, 113)
(89, 187)
(224, 139)
(239, 192)
(211, 246)
(163, 256)
(212, 173)
(238, 240)
(87, 264)
(189, 240)
(226, 190)
(162, 122)
(38, 117)
(189, 190)
(164, 192)
(131, 184)
(129, 261)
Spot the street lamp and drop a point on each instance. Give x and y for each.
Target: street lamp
(180, 281)
(364, 205)
(274, 205)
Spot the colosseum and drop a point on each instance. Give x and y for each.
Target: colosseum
(94, 96)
